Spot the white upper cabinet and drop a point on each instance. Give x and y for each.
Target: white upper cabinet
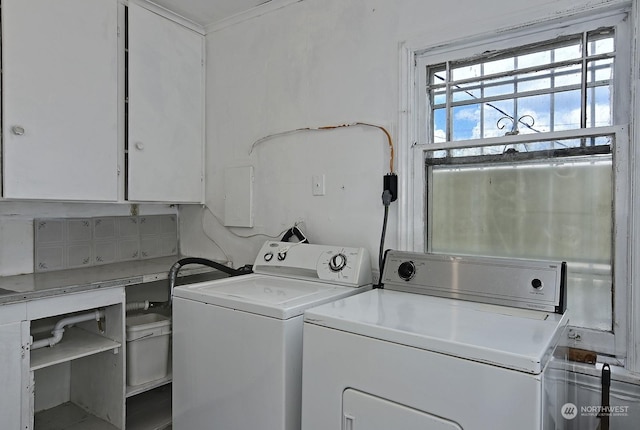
(60, 99)
(165, 109)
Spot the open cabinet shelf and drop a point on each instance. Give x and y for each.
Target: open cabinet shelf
(79, 382)
(69, 415)
(76, 343)
(150, 410)
(138, 389)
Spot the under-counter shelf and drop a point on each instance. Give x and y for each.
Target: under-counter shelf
(138, 389)
(71, 416)
(150, 410)
(76, 343)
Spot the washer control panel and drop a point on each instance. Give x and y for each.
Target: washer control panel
(334, 264)
(530, 284)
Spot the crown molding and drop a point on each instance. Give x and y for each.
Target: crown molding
(262, 9)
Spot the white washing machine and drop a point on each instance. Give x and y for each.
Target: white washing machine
(449, 343)
(237, 342)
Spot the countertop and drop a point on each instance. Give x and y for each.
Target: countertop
(47, 284)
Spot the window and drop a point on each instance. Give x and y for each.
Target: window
(560, 84)
(522, 149)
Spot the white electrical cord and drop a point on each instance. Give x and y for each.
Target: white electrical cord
(204, 230)
(285, 249)
(249, 236)
(333, 127)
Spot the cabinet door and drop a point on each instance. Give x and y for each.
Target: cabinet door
(15, 403)
(60, 73)
(166, 95)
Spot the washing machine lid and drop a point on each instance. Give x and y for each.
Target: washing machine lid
(267, 295)
(518, 339)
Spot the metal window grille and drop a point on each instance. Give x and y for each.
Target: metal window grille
(561, 84)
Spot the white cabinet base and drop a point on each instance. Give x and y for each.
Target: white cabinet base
(86, 369)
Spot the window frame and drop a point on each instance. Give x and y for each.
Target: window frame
(620, 347)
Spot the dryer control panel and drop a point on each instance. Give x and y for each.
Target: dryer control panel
(334, 264)
(530, 284)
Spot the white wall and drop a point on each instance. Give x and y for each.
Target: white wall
(317, 63)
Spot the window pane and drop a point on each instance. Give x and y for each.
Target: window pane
(465, 92)
(534, 59)
(534, 114)
(600, 42)
(540, 208)
(537, 210)
(466, 122)
(567, 108)
(565, 53)
(440, 125)
(535, 81)
(568, 76)
(466, 72)
(601, 70)
(598, 107)
(498, 66)
(437, 74)
(498, 87)
(497, 118)
(439, 98)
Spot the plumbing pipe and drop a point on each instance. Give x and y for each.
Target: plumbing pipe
(137, 306)
(58, 330)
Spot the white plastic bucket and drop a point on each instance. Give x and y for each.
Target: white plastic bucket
(148, 348)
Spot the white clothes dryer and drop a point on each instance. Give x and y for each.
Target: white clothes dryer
(449, 343)
(237, 342)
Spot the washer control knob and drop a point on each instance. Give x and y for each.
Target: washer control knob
(282, 255)
(536, 283)
(268, 256)
(337, 262)
(407, 270)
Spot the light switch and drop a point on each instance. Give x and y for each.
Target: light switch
(318, 185)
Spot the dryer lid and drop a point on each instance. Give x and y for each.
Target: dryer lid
(518, 339)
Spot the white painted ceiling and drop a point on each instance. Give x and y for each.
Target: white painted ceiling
(205, 12)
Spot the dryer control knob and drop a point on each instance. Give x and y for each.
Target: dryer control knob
(407, 270)
(268, 256)
(337, 262)
(282, 255)
(537, 284)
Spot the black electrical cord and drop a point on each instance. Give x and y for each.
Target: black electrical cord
(294, 231)
(387, 197)
(380, 256)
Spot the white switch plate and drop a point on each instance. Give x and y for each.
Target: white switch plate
(318, 185)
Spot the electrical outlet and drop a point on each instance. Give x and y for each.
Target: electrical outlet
(375, 275)
(318, 185)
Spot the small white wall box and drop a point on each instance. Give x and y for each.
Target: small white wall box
(148, 348)
(238, 196)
